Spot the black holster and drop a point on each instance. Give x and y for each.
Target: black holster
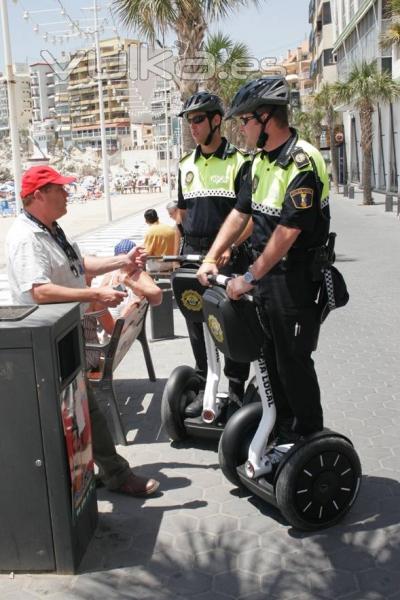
(324, 257)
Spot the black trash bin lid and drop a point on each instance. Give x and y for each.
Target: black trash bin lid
(16, 313)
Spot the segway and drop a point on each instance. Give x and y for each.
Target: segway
(318, 479)
(184, 384)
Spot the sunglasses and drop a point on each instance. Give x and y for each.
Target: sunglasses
(245, 120)
(196, 120)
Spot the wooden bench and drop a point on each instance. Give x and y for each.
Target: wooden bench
(126, 331)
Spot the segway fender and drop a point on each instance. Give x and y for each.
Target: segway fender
(182, 386)
(235, 440)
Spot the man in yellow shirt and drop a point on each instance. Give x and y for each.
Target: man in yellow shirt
(159, 241)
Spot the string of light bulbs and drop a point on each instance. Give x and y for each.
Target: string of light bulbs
(61, 35)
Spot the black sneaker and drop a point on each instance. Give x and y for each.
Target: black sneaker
(275, 455)
(195, 408)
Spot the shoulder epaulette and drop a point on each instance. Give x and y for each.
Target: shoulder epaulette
(300, 157)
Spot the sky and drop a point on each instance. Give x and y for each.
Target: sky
(267, 31)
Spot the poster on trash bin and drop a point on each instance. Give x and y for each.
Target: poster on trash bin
(78, 438)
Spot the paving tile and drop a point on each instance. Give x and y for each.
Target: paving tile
(237, 583)
(380, 581)
(238, 541)
(259, 562)
(217, 560)
(280, 584)
(333, 583)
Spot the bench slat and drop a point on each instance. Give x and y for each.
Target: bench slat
(126, 331)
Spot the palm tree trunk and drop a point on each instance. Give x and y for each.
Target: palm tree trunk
(190, 30)
(366, 145)
(330, 119)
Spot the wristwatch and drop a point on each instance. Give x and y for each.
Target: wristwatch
(249, 278)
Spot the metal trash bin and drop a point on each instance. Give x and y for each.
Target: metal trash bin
(48, 506)
(162, 316)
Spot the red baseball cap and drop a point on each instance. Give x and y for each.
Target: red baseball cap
(36, 177)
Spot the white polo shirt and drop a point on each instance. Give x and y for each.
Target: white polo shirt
(33, 257)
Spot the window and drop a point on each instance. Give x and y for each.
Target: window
(326, 13)
(387, 65)
(328, 57)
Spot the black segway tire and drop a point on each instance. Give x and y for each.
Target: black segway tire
(235, 440)
(319, 483)
(176, 396)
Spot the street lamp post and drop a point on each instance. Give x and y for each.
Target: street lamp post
(167, 145)
(102, 119)
(14, 134)
(167, 140)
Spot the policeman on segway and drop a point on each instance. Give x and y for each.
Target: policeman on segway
(209, 179)
(286, 194)
(280, 450)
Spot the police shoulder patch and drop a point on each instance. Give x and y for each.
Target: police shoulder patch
(302, 197)
(300, 158)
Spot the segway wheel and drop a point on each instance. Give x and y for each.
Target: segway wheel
(319, 483)
(235, 440)
(181, 388)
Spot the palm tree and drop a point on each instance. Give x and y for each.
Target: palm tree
(309, 123)
(187, 19)
(325, 99)
(392, 34)
(301, 120)
(225, 54)
(365, 87)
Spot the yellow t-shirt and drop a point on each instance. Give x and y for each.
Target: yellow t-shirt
(160, 240)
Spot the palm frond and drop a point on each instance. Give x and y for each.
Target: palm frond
(216, 9)
(219, 45)
(395, 7)
(147, 17)
(391, 35)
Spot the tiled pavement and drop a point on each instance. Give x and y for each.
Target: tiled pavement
(201, 538)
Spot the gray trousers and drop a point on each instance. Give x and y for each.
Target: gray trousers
(113, 468)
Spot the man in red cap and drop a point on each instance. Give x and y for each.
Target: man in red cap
(44, 266)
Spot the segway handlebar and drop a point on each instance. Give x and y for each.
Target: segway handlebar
(181, 258)
(222, 280)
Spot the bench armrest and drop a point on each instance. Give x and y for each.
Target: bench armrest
(96, 346)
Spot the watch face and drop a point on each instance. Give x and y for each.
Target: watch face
(248, 277)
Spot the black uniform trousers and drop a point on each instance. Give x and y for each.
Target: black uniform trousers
(236, 372)
(290, 318)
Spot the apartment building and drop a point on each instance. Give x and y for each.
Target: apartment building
(323, 59)
(120, 93)
(22, 97)
(357, 25)
(297, 67)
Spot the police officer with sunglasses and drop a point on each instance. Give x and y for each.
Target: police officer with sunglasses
(286, 195)
(208, 181)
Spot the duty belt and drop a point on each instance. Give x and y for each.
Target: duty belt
(200, 242)
(294, 255)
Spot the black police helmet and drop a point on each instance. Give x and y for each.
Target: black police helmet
(202, 101)
(259, 92)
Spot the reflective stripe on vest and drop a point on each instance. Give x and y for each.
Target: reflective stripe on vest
(270, 181)
(213, 176)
